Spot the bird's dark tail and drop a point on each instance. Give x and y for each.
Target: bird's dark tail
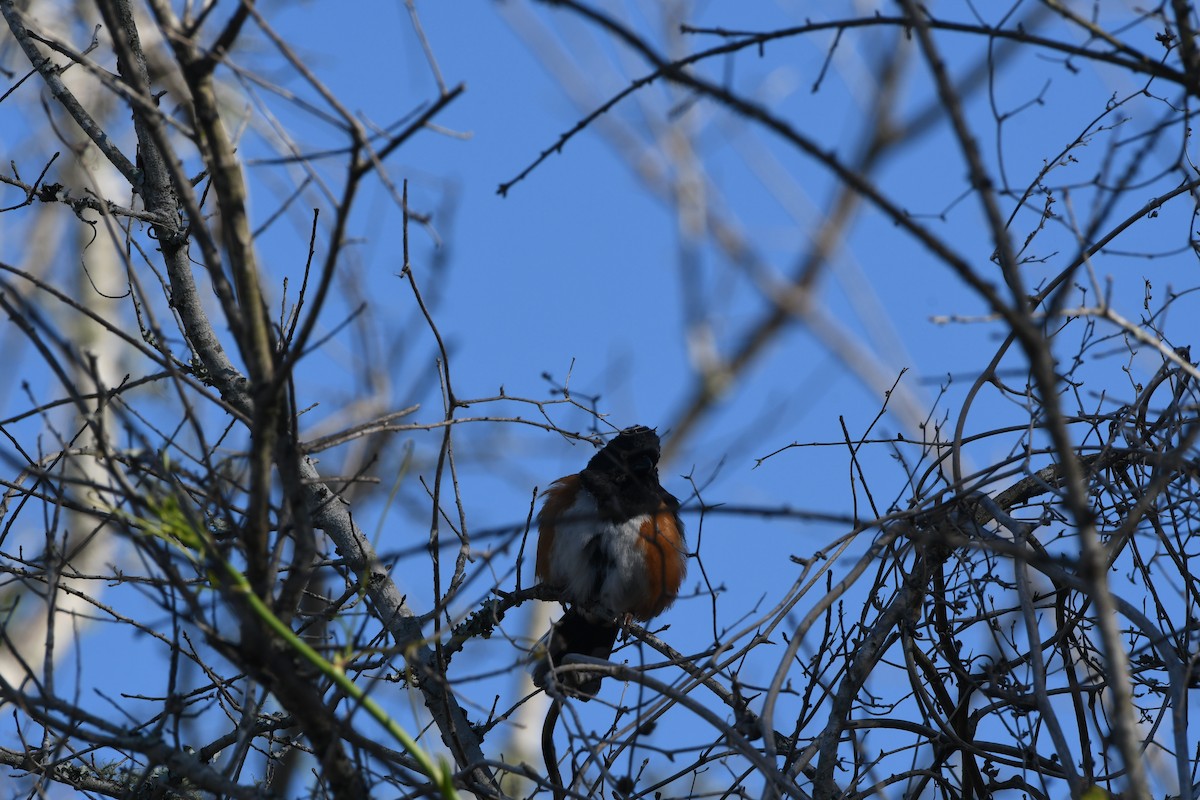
(579, 633)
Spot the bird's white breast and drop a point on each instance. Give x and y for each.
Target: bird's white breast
(598, 562)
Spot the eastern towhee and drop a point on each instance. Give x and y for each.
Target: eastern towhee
(610, 540)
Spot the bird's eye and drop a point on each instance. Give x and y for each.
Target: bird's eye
(641, 463)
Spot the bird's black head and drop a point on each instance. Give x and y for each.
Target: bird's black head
(624, 475)
(632, 454)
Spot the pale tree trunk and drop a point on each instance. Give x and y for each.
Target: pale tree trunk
(75, 549)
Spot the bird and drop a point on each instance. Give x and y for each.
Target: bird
(611, 543)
